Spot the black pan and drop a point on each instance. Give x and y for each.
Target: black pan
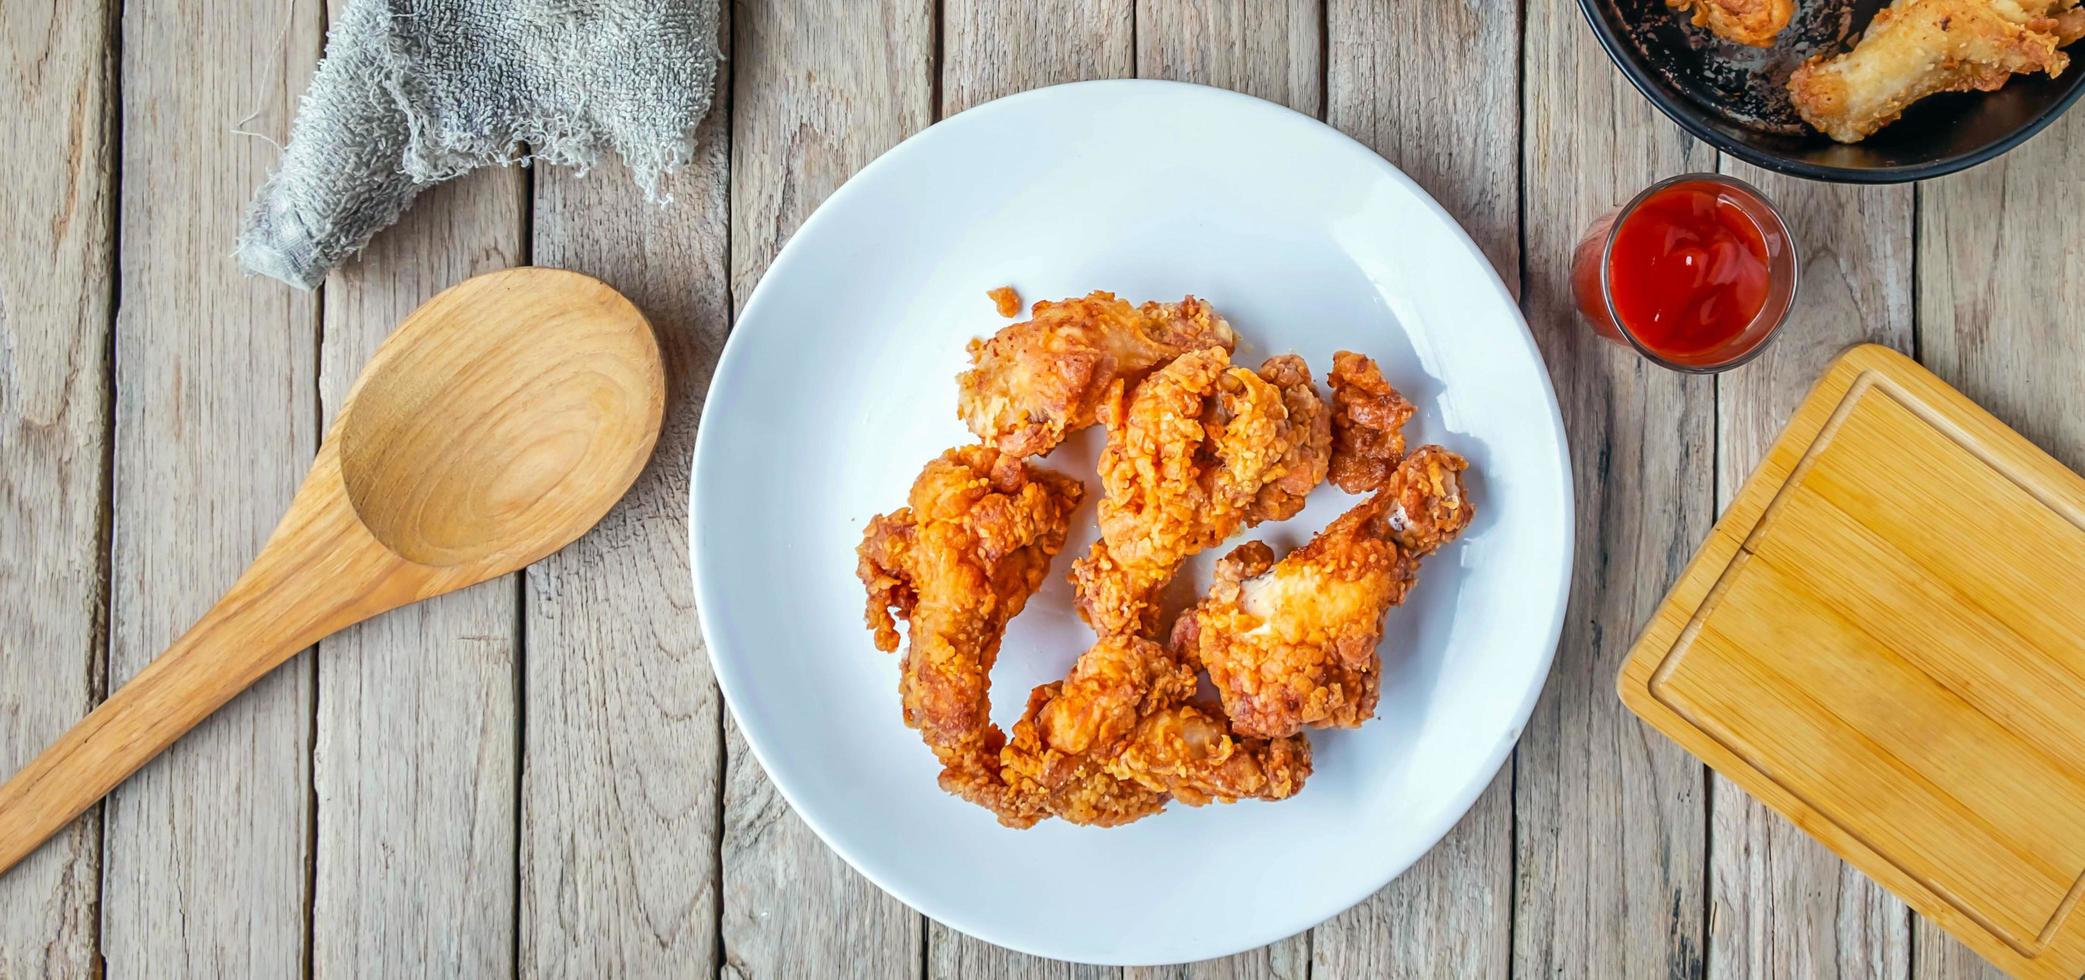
(1735, 97)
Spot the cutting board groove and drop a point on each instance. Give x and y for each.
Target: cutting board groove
(1884, 640)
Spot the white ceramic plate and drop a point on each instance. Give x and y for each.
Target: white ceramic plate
(837, 385)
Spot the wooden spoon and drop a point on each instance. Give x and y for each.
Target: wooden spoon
(500, 422)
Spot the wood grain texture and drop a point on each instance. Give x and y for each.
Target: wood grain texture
(622, 767)
(1999, 281)
(1611, 817)
(1830, 542)
(551, 391)
(1435, 89)
(1273, 50)
(56, 262)
(1453, 126)
(1782, 904)
(416, 768)
(990, 48)
(1285, 960)
(822, 88)
(216, 422)
(954, 956)
(1939, 956)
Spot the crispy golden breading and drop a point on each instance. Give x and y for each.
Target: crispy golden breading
(1038, 380)
(1916, 48)
(959, 561)
(1309, 455)
(1185, 461)
(1752, 22)
(1368, 418)
(1055, 763)
(1193, 755)
(1196, 449)
(1293, 643)
(1006, 300)
(1117, 738)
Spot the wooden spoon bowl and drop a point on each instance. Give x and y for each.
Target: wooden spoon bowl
(499, 423)
(541, 414)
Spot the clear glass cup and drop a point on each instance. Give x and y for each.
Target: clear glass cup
(1593, 276)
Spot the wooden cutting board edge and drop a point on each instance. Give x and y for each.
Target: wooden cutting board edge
(2064, 955)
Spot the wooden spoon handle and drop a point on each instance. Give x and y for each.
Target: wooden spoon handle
(321, 571)
(204, 669)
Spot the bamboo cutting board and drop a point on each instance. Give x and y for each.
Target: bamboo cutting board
(1884, 640)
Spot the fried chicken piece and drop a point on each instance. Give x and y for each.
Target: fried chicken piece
(1916, 48)
(1309, 455)
(1751, 22)
(1184, 465)
(1056, 762)
(961, 559)
(1192, 754)
(1118, 737)
(1293, 643)
(1368, 418)
(1036, 381)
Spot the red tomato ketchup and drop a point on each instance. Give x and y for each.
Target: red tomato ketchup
(1695, 274)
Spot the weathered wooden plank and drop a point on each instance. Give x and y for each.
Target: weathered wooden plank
(416, 765)
(1274, 51)
(622, 782)
(1610, 817)
(1939, 956)
(1454, 127)
(2000, 282)
(56, 262)
(1435, 88)
(954, 956)
(1285, 960)
(1270, 49)
(1781, 904)
(216, 422)
(822, 88)
(991, 48)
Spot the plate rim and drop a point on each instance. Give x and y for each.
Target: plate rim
(1462, 800)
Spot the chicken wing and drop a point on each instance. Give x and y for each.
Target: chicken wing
(1118, 738)
(1036, 381)
(1293, 643)
(1368, 418)
(1184, 465)
(1752, 22)
(1916, 48)
(961, 559)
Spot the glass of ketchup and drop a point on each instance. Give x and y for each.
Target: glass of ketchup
(1695, 274)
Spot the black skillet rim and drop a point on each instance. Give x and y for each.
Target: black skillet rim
(1679, 108)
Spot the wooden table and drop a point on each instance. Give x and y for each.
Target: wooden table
(537, 776)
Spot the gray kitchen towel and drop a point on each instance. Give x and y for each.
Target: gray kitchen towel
(414, 92)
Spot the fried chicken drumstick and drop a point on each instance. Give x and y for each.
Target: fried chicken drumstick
(961, 559)
(1916, 48)
(1036, 381)
(1293, 643)
(1201, 448)
(1118, 737)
